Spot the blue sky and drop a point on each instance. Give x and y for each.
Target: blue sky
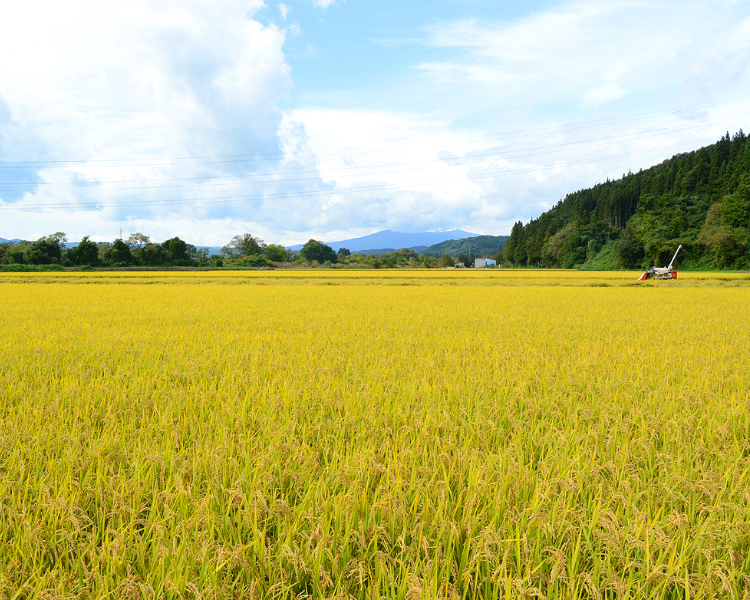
(367, 50)
(331, 119)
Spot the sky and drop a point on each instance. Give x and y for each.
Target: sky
(333, 119)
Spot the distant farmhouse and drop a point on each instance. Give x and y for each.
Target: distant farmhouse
(480, 263)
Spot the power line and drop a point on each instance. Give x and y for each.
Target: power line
(347, 171)
(259, 157)
(165, 133)
(232, 199)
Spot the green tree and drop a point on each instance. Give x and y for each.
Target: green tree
(276, 253)
(467, 259)
(85, 253)
(151, 255)
(253, 261)
(102, 248)
(46, 250)
(202, 255)
(315, 250)
(118, 254)
(556, 241)
(573, 251)
(406, 253)
(718, 237)
(175, 251)
(513, 250)
(629, 248)
(244, 245)
(343, 253)
(136, 242)
(735, 208)
(36, 256)
(664, 206)
(446, 260)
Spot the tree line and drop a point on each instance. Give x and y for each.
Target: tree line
(699, 199)
(245, 250)
(137, 250)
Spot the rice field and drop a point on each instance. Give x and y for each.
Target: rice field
(374, 434)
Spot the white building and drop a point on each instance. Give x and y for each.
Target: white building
(480, 263)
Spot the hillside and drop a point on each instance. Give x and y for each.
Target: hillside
(394, 239)
(376, 251)
(699, 199)
(482, 245)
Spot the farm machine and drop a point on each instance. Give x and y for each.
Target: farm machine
(662, 272)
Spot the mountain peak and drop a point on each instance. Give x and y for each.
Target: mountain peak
(395, 239)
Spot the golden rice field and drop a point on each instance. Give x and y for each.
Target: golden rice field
(374, 434)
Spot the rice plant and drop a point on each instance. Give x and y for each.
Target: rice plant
(410, 434)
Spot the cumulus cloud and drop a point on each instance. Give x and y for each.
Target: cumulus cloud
(131, 107)
(554, 82)
(165, 118)
(383, 169)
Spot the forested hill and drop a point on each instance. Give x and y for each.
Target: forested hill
(699, 199)
(481, 245)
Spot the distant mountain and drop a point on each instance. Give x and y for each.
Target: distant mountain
(376, 251)
(481, 245)
(212, 250)
(395, 239)
(3, 240)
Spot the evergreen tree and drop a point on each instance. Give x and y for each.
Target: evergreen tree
(646, 215)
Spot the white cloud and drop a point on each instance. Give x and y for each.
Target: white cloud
(584, 55)
(323, 3)
(384, 169)
(99, 83)
(283, 11)
(589, 51)
(199, 85)
(293, 30)
(602, 94)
